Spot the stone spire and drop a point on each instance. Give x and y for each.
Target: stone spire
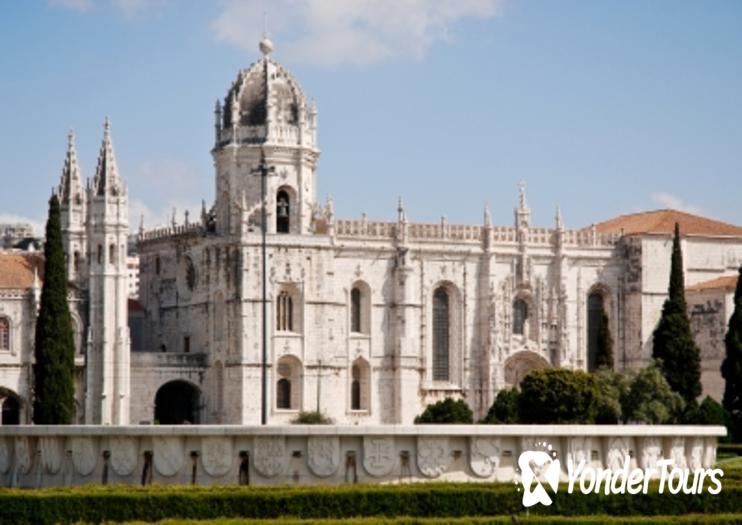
(522, 212)
(106, 174)
(487, 216)
(70, 186)
(558, 221)
(401, 214)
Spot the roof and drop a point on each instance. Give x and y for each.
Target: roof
(17, 269)
(727, 282)
(663, 222)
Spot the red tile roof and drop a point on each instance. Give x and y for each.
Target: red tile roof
(663, 222)
(727, 282)
(17, 269)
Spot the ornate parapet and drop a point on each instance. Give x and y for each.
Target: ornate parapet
(35, 456)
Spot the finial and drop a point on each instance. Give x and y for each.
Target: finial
(173, 220)
(186, 214)
(141, 224)
(522, 194)
(107, 125)
(71, 139)
(558, 218)
(487, 216)
(266, 46)
(402, 216)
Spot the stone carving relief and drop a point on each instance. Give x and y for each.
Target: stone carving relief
(84, 454)
(617, 452)
(124, 451)
(23, 455)
(696, 454)
(677, 451)
(432, 455)
(169, 454)
(6, 452)
(216, 455)
(51, 454)
(270, 455)
(379, 458)
(484, 455)
(579, 449)
(651, 452)
(323, 455)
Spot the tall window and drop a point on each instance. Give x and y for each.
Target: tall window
(594, 322)
(285, 313)
(355, 310)
(282, 212)
(520, 316)
(112, 254)
(355, 389)
(441, 322)
(283, 394)
(360, 376)
(4, 333)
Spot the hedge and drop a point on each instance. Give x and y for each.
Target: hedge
(98, 504)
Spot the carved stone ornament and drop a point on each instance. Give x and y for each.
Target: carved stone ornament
(6, 455)
(51, 453)
(124, 451)
(169, 454)
(484, 455)
(696, 454)
(23, 455)
(270, 455)
(677, 452)
(84, 454)
(579, 449)
(216, 455)
(616, 452)
(432, 455)
(379, 458)
(323, 455)
(651, 452)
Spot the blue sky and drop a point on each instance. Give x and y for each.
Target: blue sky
(604, 107)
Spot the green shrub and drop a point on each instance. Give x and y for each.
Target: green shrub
(612, 391)
(504, 409)
(447, 411)
(651, 400)
(558, 395)
(312, 418)
(709, 412)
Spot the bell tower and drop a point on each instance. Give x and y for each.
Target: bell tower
(265, 115)
(72, 208)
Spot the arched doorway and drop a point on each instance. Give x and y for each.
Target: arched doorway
(178, 403)
(520, 364)
(11, 408)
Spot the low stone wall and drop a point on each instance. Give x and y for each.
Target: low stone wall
(39, 456)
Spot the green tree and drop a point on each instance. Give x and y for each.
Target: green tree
(651, 399)
(312, 418)
(558, 395)
(674, 347)
(731, 368)
(504, 409)
(613, 388)
(447, 411)
(604, 356)
(54, 386)
(709, 412)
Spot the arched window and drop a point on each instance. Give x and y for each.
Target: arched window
(520, 316)
(112, 254)
(355, 310)
(441, 322)
(594, 324)
(359, 385)
(4, 333)
(76, 261)
(157, 265)
(283, 394)
(100, 254)
(282, 212)
(11, 411)
(285, 312)
(288, 384)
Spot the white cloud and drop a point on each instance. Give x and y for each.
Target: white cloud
(38, 225)
(330, 32)
(667, 200)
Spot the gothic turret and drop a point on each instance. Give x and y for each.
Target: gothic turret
(107, 393)
(72, 207)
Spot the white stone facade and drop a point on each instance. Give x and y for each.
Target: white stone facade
(367, 321)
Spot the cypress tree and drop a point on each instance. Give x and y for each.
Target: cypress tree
(680, 359)
(54, 386)
(731, 368)
(604, 356)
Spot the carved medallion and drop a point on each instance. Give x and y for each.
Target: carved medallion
(484, 455)
(124, 452)
(651, 452)
(323, 455)
(169, 454)
(432, 455)
(6, 458)
(617, 452)
(51, 453)
(379, 458)
(84, 454)
(270, 455)
(23, 455)
(216, 455)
